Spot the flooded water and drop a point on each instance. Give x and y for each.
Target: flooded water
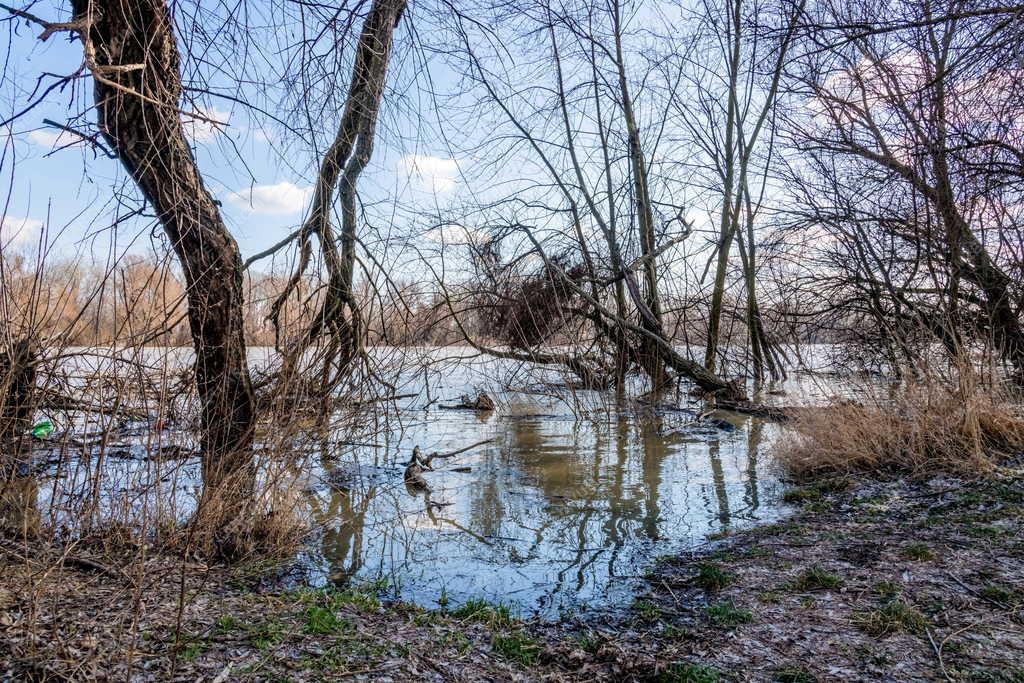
(570, 501)
(564, 510)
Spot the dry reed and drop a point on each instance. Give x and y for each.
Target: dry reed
(962, 423)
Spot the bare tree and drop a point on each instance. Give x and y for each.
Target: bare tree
(748, 93)
(588, 141)
(131, 52)
(340, 168)
(912, 168)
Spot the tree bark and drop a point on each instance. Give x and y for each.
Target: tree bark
(651, 319)
(131, 50)
(17, 385)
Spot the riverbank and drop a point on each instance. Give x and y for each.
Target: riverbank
(869, 580)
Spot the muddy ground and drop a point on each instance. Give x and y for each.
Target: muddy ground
(899, 580)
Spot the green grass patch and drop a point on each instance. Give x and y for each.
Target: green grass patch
(459, 641)
(191, 650)
(226, 624)
(495, 616)
(990, 676)
(887, 590)
(646, 610)
(727, 615)
(588, 642)
(425, 617)
(815, 578)
(334, 657)
(985, 531)
(322, 621)
(800, 495)
(816, 491)
(1005, 597)
(266, 635)
(517, 647)
(919, 552)
(794, 674)
(685, 672)
(359, 598)
(895, 616)
(712, 578)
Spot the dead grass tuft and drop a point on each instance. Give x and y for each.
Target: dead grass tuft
(961, 425)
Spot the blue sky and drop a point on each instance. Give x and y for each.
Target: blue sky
(264, 185)
(262, 174)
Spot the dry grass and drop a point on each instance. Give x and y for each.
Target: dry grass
(960, 424)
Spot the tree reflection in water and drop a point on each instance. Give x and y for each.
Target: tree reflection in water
(554, 514)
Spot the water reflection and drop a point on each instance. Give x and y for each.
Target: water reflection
(555, 513)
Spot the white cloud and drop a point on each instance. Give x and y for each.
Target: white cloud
(429, 173)
(18, 230)
(279, 199)
(450, 234)
(54, 139)
(205, 124)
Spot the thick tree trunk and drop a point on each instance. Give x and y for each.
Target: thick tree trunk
(130, 48)
(18, 488)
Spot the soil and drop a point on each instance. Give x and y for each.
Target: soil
(894, 580)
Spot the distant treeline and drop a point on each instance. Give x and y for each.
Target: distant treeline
(141, 300)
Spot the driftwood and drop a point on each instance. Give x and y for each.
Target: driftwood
(779, 413)
(481, 403)
(450, 454)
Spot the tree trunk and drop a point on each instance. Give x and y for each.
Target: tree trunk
(729, 215)
(130, 48)
(340, 168)
(651, 357)
(17, 384)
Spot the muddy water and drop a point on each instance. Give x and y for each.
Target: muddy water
(571, 500)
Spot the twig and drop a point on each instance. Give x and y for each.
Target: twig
(938, 653)
(92, 565)
(461, 450)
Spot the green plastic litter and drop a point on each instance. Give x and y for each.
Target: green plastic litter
(42, 429)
